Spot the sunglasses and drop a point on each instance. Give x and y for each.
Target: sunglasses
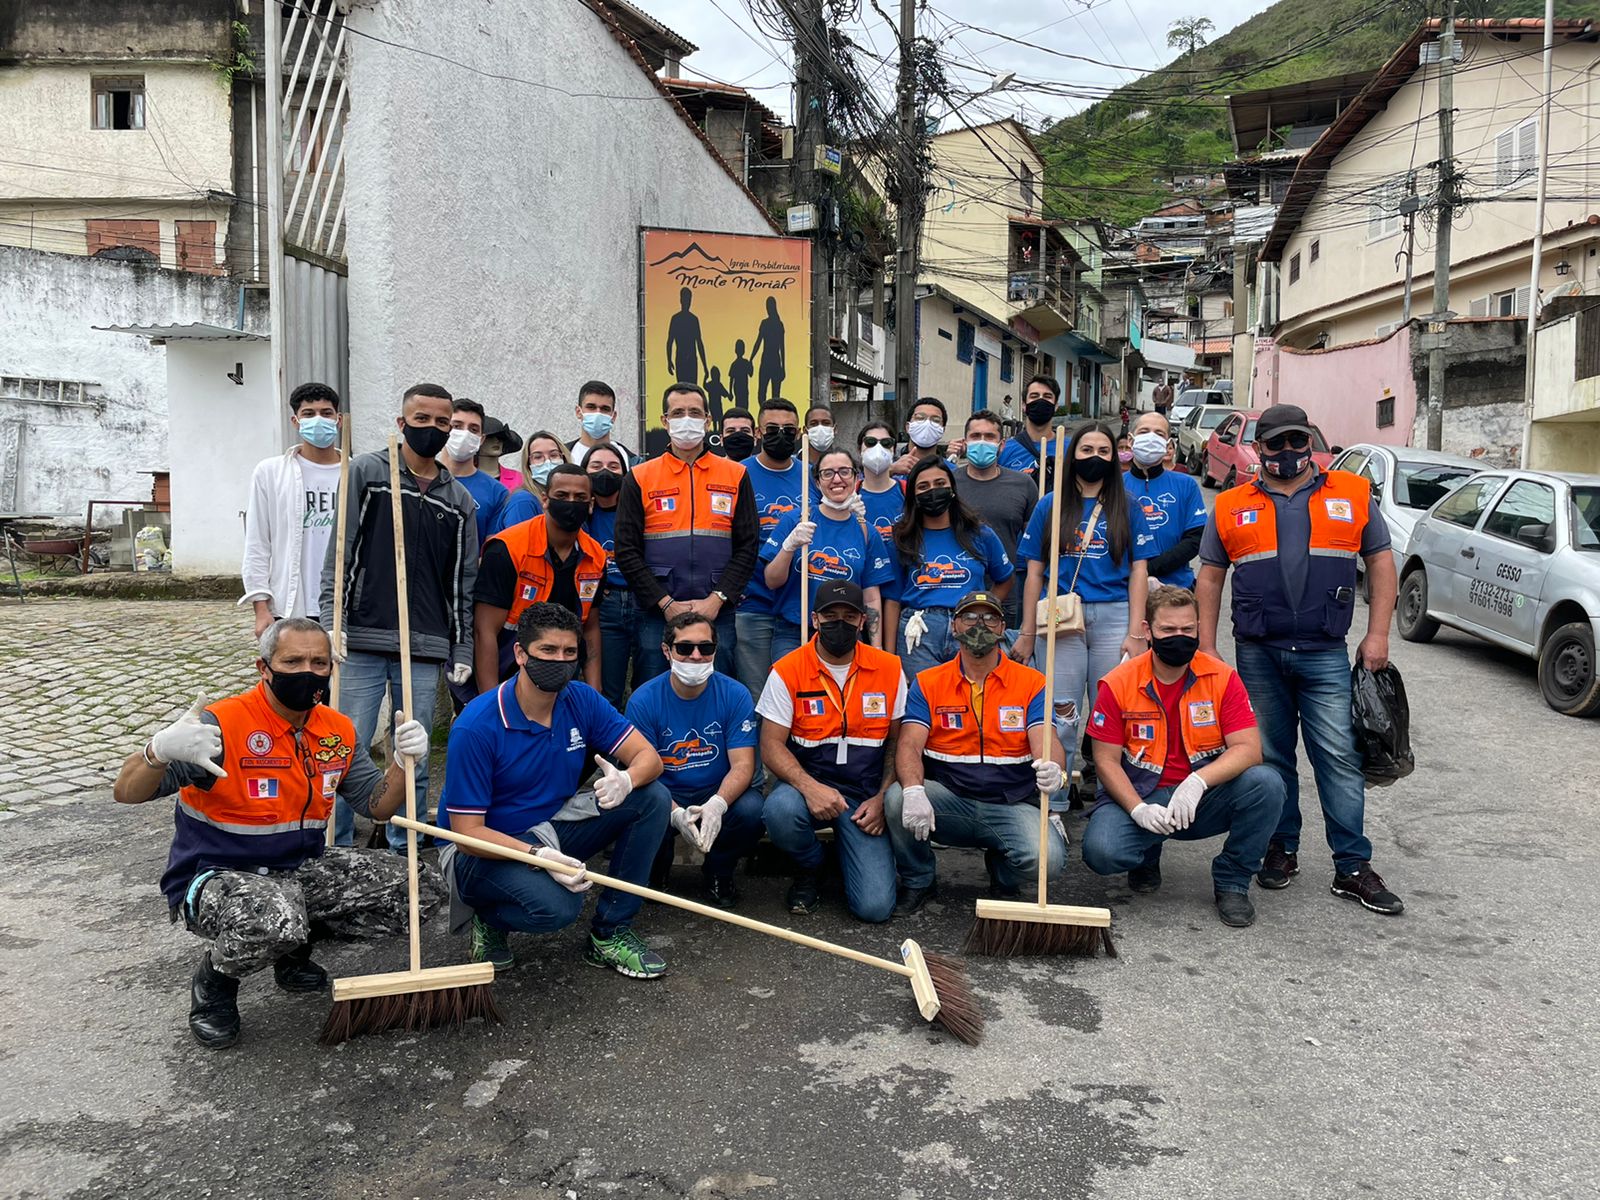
(773, 430)
(887, 442)
(1287, 441)
(689, 649)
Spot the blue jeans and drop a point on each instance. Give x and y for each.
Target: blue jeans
(936, 647)
(753, 656)
(867, 861)
(1081, 659)
(1012, 829)
(363, 680)
(1307, 693)
(648, 661)
(1244, 808)
(741, 830)
(511, 895)
(618, 630)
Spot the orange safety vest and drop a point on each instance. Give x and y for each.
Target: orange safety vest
(271, 811)
(838, 734)
(983, 755)
(688, 520)
(528, 543)
(1247, 523)
(1144, 720)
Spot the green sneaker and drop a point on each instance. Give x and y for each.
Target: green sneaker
(489, 945)
(625, 951)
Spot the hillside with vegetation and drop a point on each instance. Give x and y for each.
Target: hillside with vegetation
(1129, 154)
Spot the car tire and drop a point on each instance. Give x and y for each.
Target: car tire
(1567, 672)
(1233, 479)
(1411, 612)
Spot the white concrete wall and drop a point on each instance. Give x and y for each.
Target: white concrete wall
(494, 243)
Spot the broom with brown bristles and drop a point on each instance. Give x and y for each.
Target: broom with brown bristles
(414, 999)
(939, 984)
(1011, 928)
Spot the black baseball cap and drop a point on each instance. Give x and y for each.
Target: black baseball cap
(979, 600)
(1282, 418)
(494, 427)
(839, 591)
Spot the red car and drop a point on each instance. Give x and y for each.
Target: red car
(1230, 456)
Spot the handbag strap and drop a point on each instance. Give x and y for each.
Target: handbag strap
(1094, 519)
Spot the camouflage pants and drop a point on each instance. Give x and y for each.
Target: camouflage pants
(254, 920)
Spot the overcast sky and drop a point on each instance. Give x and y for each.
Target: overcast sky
(1132, 34)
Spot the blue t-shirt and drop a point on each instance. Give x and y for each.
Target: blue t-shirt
(839, 550)
(517, 773)
(884, 509)
(946, 572)
(777, 496)
(1100, 579)
(602, 527)
(490, 494)
(693, 737)
(519, 506)
(1021, 453)
(1173, 506)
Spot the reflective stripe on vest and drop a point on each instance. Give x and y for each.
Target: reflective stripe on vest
(528, 544)
(688, 520)
(981, 753)
(1144, 719)
(830, 723)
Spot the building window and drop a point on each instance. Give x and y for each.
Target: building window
(1008, 364)
(966, 340)
(118, 102)
(1316, 249)
(197, 247)
(1386, 412)
(945, 334)
(1029, 194)
(128, 241)
(1516, 156)
(1294, 268)
(1047, 365)
(1510, 303)
(45, 391)
(1383, 209)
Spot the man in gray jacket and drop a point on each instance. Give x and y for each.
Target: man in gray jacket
(441, 568)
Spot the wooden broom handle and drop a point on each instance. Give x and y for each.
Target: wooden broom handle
(805, 551)
(338, 583)
(1050, 659)
(413, 827)
(403, 609)
(1042, 444)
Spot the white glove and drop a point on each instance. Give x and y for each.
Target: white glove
(1047, 775)
(858, 506)
(916, 626)
(573, 881)
(1185, 799)
(916, 812)
(613, 786)
(190, 740)
(341, 646)
(410, 738)
(460, 673)
(683, 820)
(800, 535)
(710, 816)
(1152, 818)
(1060, 827)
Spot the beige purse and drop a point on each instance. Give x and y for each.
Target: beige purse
(1065, 609)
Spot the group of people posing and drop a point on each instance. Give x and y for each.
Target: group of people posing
(635, 655)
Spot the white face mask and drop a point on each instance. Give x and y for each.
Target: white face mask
(876, 459)
(692, 674)
(821, 437)
(925, 433)
(686, 432)
(463, 444)
(1149, 449)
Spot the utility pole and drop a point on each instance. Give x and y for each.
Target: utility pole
(811, 95)
(1538, 230)
(909, 206)
(1441, 233)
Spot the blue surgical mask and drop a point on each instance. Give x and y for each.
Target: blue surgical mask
(982, 455)
(597, 424)
(320, 432)
(541, 473)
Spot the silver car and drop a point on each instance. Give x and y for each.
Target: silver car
(1406, 482)
(1196, 426)
(1514, 558)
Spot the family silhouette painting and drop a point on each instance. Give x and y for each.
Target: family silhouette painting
(686, 358)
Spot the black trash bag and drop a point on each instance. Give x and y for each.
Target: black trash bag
(1382, 721)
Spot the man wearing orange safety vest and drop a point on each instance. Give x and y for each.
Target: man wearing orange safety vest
(975, 753)
(548, 557)
(256, 775)
(1178, 755)
(687, 534)
(1293, 537)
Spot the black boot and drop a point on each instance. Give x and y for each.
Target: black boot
(213, 1006)
(296, 972)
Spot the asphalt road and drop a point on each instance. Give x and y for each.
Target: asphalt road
(1449, 1052)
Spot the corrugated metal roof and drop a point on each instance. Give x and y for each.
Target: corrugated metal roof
(195, 332)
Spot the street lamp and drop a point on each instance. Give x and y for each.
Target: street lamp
(1563, 267)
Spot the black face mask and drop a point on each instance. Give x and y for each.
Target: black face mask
(936, 501)
(780, 443)
(568, 514)
(838, 638)
(739, 446)
(299, 691)
(605, 483)
(1093, 470)
(1039, 412)
(1177, 650)
(426, 440)
(550, 674)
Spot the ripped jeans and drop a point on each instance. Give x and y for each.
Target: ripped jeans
(1081, 659)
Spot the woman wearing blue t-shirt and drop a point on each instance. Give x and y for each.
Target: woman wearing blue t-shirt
(606, 467)
(1109, 561)
(943, 551)
(838, 543)
(882, 493)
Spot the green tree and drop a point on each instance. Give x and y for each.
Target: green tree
(1189, 33)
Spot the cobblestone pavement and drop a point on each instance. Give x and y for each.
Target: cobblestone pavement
(83, 681)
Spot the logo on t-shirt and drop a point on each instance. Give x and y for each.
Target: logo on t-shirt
(885, 527)
(777, 508)
(826, 564)
(1099, 721)
(688, 752)
(944, 572)
(574, 740)
(1154, 515)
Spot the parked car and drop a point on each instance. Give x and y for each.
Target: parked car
(1196, 428)
(1230, 455)
(1513, 557)
(1178, 413)
(1406, 482)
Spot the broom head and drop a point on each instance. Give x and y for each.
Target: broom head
(1016, 929)
(943, 994)
(410, 1000)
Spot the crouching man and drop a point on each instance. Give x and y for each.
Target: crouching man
(1178, 755)
(256, 776)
